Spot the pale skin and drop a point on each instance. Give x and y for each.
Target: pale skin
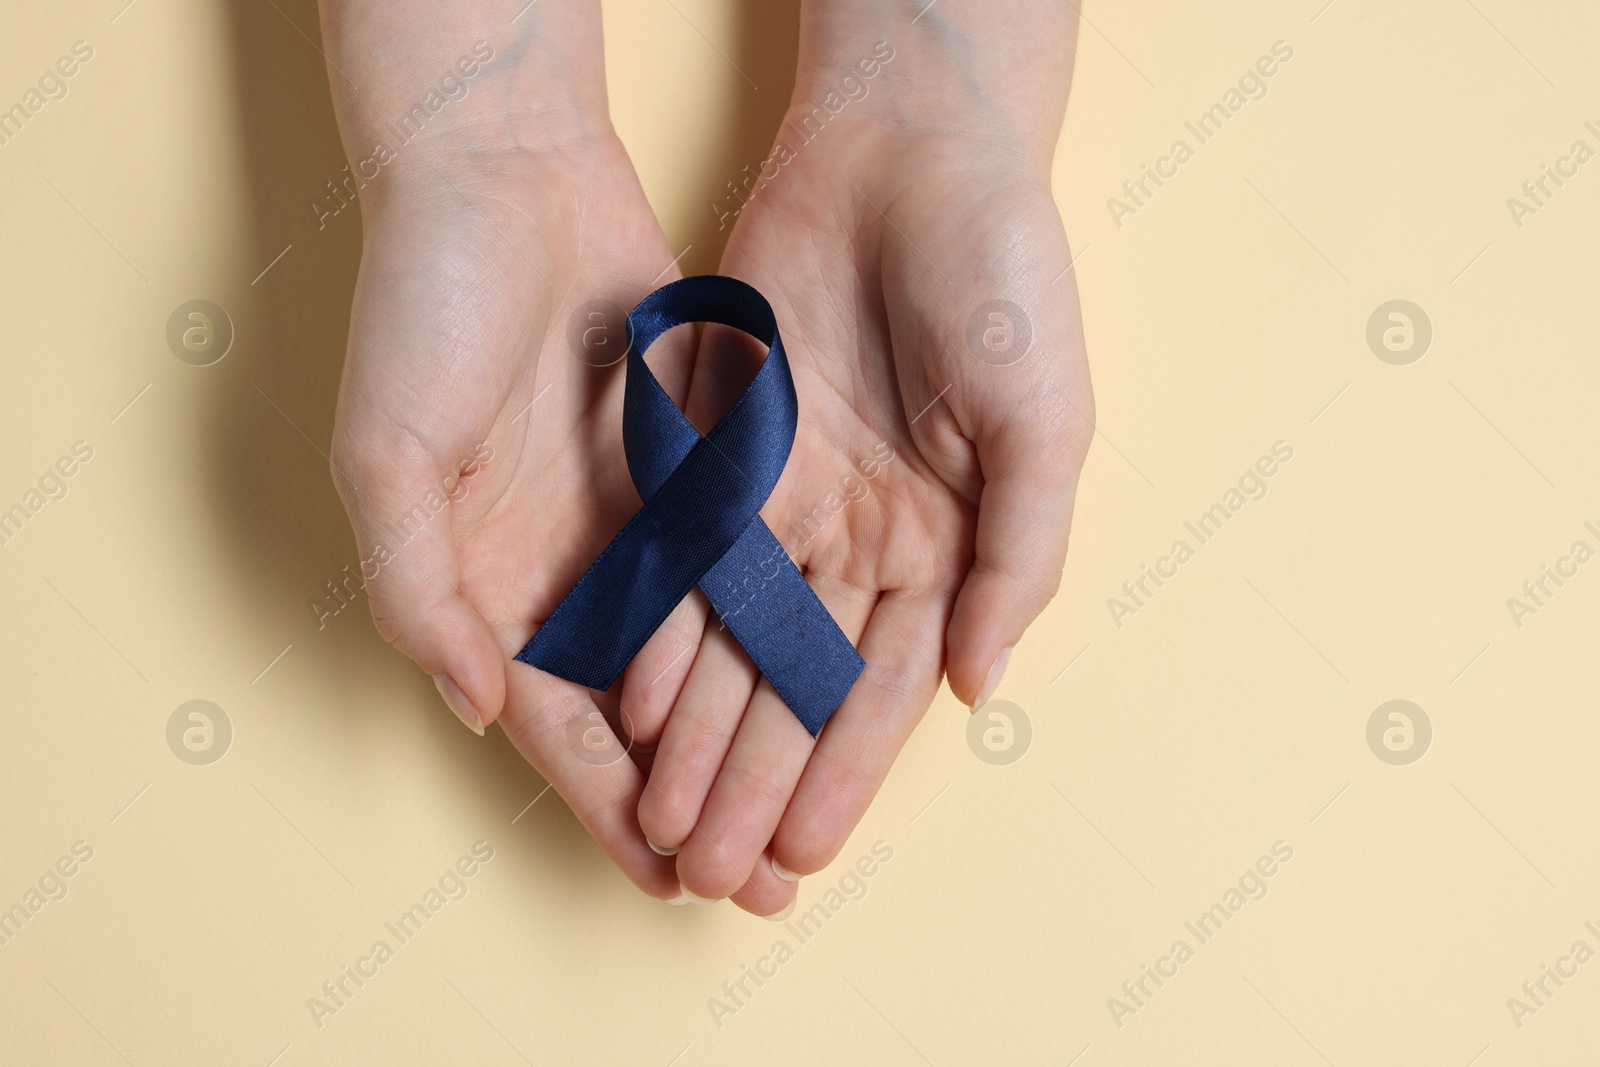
(875, 243)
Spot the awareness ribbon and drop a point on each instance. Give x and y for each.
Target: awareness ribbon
(701, 524)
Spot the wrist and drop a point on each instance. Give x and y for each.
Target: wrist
(421, 100)
(996, 75)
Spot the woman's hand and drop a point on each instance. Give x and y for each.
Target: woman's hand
(917, 263)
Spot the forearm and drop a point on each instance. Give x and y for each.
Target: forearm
(420, 86)
(999, 68)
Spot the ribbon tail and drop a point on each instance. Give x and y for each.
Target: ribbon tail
(765, 602)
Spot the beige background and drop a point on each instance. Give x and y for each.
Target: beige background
(1228, 714)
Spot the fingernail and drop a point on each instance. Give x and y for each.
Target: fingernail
(693, 899)
(680, 899)
(459, 703)
(783, 872)
(658, 850)
(991, 683)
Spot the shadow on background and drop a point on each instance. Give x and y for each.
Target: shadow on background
(272, 415)
(273, 419)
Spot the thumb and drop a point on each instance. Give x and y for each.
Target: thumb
(400, 507)
(1030, 463)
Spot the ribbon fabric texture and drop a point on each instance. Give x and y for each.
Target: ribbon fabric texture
(701, 524)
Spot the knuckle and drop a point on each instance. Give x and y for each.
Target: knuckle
(1061, 426)
(530, 724)
(398, 617)
(1034, 591)
(702, 751)
(661, 820)
(810, 839)
(807, 844)
(762, 786)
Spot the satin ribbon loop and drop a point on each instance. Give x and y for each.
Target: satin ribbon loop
(701, 524)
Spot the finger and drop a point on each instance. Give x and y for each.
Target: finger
(755, 783)
(558, 728)
(697, 736)
(766, 893)
(411, 571)
(746, 799)
(1030, 464)
(855, 752)
(657, 674)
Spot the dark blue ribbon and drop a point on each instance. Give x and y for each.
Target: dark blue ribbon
(701, 524)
